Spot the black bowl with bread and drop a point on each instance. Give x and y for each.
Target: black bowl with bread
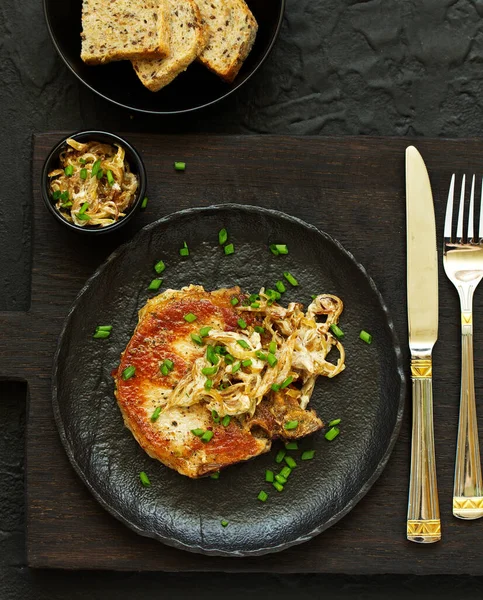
(164, 56)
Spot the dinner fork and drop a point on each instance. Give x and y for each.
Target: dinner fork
(463, 264)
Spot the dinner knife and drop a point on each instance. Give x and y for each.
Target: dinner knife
(423, 520)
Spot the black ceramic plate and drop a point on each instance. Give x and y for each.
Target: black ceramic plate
(117, 82)
(367, 396)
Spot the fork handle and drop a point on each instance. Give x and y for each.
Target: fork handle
(423, 521)
(468, 486)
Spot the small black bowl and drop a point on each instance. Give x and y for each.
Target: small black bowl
(117, 82)
(132, 157)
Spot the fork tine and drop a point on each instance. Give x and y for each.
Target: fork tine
(471, 213)
(480, 228)
(459, 227)
(449, 209)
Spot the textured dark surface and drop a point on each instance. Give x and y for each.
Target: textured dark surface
(330, 183)
(368, 396)
(394, 67)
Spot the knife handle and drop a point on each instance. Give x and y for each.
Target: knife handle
(423, 522)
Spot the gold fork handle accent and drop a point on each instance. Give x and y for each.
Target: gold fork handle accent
(468, 485)
(423, 521)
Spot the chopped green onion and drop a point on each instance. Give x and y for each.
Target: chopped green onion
(308, 455)
(226, 420)
(290, 462)
(156, 413)
(209, 371)
(222, 236)
(64, 196)
(184, 251)
(290, 278)
(206, 437)
(243, 344)
(221, 350)
(236, 367)
(204, 331)
(100, 174)
(234, 301)
(332, 434)
(144, 479)
(272, 348)
(215, 416)
(155, 284)
(269, 476)
(262, 496)
(190, 317)
(278, 486)
(337, 331)
(56, 195)
(280, 479)
(198, 432)
(95, 167)
(110, 178)
(229, 359)
(255, 304)
(83, 174)
(242, 323)
(285, 472)
(169, 364)
(280, 456)
(261, 355)
(275, 387)
(128, 372)
(247, 362)
(83, 217)
(164, 370)
(144, 203)
(313, 296)
(291, 446)
(215, 475)
(253, 297)
(229, 249)
(286, 383)
(273, 294)
(82, 161)
(179, 166)
(224, 523)
(272, 360)
(365, 337)
(66, 205)
(280, 287)
(291, 425)
(69, 171)
(281, 248)
(334, 422)
(159, 267)
(196, 339)
(83, 208)
(212, 356)
(259, 329)
(101, 334)
(104, 328)
(273, 249)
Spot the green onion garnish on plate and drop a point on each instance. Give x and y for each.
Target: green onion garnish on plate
(208, 371)
(280, 456)
(155, 285)
(159, 267)
(69, 171)
(334, 422)
(196, 339)
(243, 344)
(332, 434)
(110, 178)
(286, 383)
(291, 425)
(242, 323)
(95, 167)
(198, 432)
(83, 174)
(337, 331)
(290, 462)
(234, 301)
(229, 249)
(190, 318)
(236, 367)
(308, 455)
(179, 166)
(144, 203)
(290, 278)
(204, 331)
(206, 437)
(272, 360)
(226, 420)
(144, 479)
(262, 496)
(83, 208)
(365, 337)
(259, 329)
(269, 476)
(278, 486)
(224, 523)
(208, 385)
(215, 475)
(280, 287)
(184, 251)
(156, 413)
(222, 236)
(128, 373)
(212, 356)
(291, 446)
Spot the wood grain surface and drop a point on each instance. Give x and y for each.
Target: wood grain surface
(352, 188)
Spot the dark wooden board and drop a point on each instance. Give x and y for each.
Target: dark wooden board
(353, 188)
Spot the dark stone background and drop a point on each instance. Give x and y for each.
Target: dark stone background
(379, 67)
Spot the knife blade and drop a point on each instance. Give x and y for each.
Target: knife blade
(423, 519)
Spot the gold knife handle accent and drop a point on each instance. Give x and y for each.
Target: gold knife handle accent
(423, 521)
(468, 484)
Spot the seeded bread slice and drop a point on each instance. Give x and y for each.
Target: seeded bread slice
(232, 29)
(124, 29)
(188, 39)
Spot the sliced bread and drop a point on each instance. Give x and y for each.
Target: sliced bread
(124, 29)
(232, 29)
(188, 39)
